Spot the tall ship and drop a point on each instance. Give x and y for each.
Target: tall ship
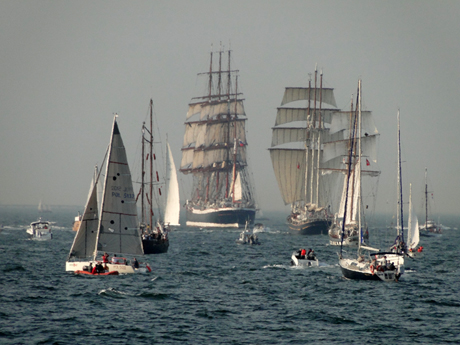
(214, 152)
(296, 151)
(358, 174)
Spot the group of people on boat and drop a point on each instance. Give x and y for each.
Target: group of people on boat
(303, 255)
(419, 249)
(157, 234)
(382, 265)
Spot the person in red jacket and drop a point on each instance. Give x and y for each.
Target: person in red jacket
(302, 253)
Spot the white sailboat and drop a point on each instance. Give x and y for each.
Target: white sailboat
(413, 231)
(386, 266)
(362, 173)
(114, 228)
(155, 229)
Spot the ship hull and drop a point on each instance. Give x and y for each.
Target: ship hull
(155, 247)
(220, 217)
(314, 227)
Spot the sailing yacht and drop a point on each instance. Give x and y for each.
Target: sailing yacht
(298, 138)
(413, 231)
(377, 265)
(155, 229)
(430, 228)
(363, 167)
(113, 228)
(215, 151)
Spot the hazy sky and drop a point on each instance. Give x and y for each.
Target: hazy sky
(67, 66)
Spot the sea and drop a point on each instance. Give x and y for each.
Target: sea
(210, 290)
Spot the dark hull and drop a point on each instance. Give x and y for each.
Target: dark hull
(155, 247)
(357, 275)
(224, 217)
(316, 227)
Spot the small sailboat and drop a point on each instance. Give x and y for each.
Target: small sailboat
(376, 265)
(413, 231)
(155, 239)
(40, 230)
(114, 227)
(43, 208)
(430, 228)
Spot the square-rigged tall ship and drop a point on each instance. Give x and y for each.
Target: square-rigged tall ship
(214, 151)
(296, 152)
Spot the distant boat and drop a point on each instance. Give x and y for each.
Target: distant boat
(43, 208)
(296, 151)
(214, 152)
(40, 230)
(113, 228)
(413, 231)
(247, 236)
(430, 228)
(155, 239)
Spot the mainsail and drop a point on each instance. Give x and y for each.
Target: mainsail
(118, 225)
(214, 148)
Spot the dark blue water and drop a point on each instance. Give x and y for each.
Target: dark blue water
(209, 290)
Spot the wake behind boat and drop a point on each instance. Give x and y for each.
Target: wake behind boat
(40, 230)
(115, 228)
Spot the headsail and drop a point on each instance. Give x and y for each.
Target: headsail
(172, 209)
(84, 243)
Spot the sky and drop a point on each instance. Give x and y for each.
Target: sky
(67, 66)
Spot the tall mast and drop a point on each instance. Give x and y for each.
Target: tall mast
(319, 136)
(359, 167)
(234, 141)
(426, 201)
(210, 78)
(151, 164)
(228, 122)
(400, 193)
(143, 174)
(307, 129)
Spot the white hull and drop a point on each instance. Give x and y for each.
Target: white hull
(304, 262)
(72, 266)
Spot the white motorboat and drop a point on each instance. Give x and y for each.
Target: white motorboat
(40, 230)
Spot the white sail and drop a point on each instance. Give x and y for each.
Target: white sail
(293, 94)
(413, 234)
(118, 230)
(172, 209)
(84, 243)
